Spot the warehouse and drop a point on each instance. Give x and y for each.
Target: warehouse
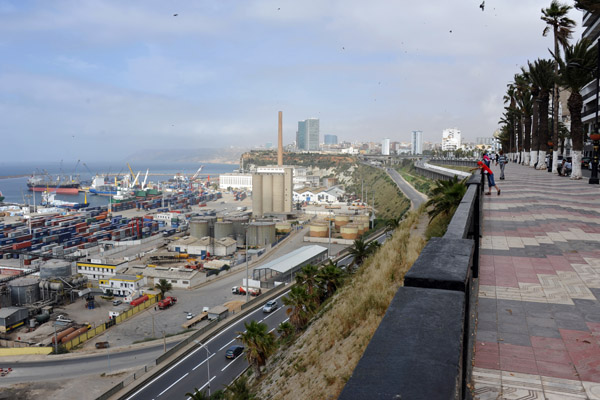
(12, 317)
(285, 267)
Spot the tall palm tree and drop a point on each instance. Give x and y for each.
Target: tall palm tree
(562, 26)
(164, 286)
(524, 102)
(300, 306)
(543, 77)
(359, 251)
(535, 117)
(330, 278)
(510, 116)
(577, 70)
(260, 344)
(445, 197)
(308, 277)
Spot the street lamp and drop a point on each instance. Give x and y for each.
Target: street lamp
(208, 356)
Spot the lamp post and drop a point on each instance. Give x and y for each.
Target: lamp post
(246, 263)
(208, 356)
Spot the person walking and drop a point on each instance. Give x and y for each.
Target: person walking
(502, 162)
(490, 177)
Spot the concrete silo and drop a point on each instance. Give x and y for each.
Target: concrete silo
(199, 228)
(24, 291)
(257, 195)
(267, 193)
(223, 229)
(278, 194)
(261, 233)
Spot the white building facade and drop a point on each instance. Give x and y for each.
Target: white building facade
(385, 147)
(416, 143)
(235, 181)
(451, 139)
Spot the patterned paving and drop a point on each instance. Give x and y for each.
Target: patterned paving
(538, 313)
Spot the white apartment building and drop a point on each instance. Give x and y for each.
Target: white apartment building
(416, 143)
(451, 139)
(385, 147)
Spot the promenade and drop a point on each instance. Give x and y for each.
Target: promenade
(538, 313)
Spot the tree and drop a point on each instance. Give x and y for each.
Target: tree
(392, 223)
(308, 277)
(259, 342)
(300, 307)
(445, 197)
(577, 70)
(542, 76)
(239, 390)
(330, 278)
(286, 331)
(198, 395)
(359, 251)
(164, 286)
(562, 26)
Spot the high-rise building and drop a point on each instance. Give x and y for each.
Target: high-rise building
(416, 143)
(385, 147)
(451, 139)
(330, 139)
(307, 137)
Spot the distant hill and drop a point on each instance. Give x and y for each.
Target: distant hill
(229, 155)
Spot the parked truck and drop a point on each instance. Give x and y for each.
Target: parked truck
(167, 302)
(139, 300)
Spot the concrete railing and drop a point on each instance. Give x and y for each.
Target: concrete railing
(421, 349)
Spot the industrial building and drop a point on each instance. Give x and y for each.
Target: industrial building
(12, 317)
(272, 191)
(122, 285)
(96, 269)
(222, 247)
(183, 278)
(284, 268)
(317, 195)
(235, 181)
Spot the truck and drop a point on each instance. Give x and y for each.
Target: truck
(167, 302)
(242, 290)
(139, 300)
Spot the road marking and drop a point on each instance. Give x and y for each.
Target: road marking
(193, 369)
(174, 383)
(203, 386)
(228, 343)
(237, 358)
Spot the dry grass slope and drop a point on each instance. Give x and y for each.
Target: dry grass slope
(322, 359)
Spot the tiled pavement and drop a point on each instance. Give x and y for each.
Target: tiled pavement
(538, 314)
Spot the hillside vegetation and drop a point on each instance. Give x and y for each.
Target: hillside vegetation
(322, 358)
(314, 160)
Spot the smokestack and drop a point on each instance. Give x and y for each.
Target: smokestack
(280, 141)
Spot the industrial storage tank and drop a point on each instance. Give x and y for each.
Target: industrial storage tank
(341, 220)
(5, 296)
(223, 229)
(261, 233)
(278, 193)
(199, 228)
(283, 227)
(24, 291)
(239, 229)
(267, 193)
(319, 229)
(55, 269)
(257, 188)
(349, 231)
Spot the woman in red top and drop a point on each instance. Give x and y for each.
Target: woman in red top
(490, 176)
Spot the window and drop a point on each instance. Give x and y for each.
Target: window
(173, 280)
(185, 282)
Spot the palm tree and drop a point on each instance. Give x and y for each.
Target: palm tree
(392, 223)
(259, 342)
(286, 331)
(509, 98)
(300, 306)
(577, 70)
(535, 117)
(330, 278)
(445, 197)
(543, 77)
(524, 102)
(164, 286)
(239, 390)
(308, 277)
(198, 395)
(359, 251)
(562, 26)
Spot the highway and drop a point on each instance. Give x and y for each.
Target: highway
(192, 371)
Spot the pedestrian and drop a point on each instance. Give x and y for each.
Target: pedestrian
(502, 162)
(486, 158)
(498, 157)
(490, 176)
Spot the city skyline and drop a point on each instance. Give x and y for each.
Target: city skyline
(105, 79)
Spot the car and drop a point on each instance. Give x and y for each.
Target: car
(189, 315)
(585, 162)
(117, 302)
(102, 345)
(234, 351)
(62, 318)
(270, 306)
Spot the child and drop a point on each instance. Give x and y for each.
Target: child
(490, 176)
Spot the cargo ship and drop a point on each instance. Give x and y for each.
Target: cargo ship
(99, 186)
(48, 200)
(60, 184)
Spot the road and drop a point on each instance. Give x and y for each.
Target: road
(106, 362)
(416, 198)
(194, 370)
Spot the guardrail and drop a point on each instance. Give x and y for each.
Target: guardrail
(421, 349)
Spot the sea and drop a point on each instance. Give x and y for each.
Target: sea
(15, 189)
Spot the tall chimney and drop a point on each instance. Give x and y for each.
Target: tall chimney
(280, 141)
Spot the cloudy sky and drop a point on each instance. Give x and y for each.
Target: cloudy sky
(99, 80)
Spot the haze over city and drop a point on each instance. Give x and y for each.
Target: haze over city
(101, 80)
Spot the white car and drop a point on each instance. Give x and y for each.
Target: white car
(270, 306)
(62, 318)
(189, 315)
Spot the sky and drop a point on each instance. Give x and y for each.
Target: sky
(103, 79)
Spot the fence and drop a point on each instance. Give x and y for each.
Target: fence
(84, 337)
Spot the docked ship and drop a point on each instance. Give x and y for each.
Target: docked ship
(48, 200)
(60, 184)
(100, 186)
